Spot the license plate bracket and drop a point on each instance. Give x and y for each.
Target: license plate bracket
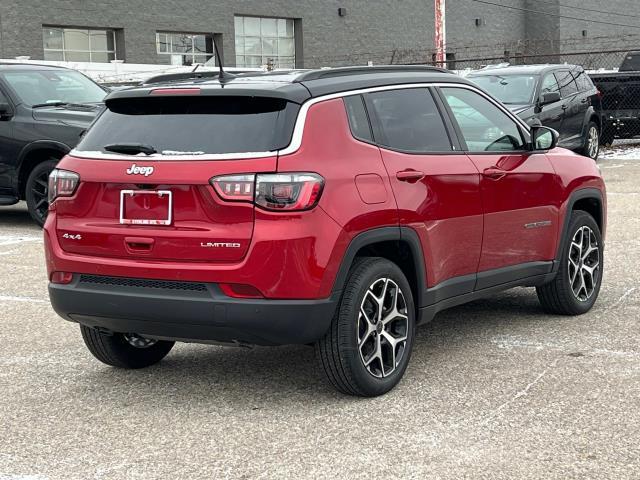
(146, 207)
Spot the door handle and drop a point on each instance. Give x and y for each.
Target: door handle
(494, 173)
(565, 106)
(584, 100)
(139, 244)
(410, 176)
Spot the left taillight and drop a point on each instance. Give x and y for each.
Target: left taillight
(272, 191)
(62, 183)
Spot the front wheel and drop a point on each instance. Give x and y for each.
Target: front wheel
(367, 348)
(577, 284)
(124, 350)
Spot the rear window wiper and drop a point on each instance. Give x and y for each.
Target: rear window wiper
(50, 104)
(131, 148)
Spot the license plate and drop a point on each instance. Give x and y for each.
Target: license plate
(146, 207)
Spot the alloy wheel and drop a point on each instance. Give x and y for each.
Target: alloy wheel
(383, 325)
(40, 193)
(584, 263)
(593, 142)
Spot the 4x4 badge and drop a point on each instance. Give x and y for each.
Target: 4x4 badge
(136, 170)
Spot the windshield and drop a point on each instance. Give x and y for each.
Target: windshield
(509, 89)
(53, 86)
(197, 125)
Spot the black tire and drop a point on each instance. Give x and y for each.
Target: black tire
(338, 352)
(37, 190)
(117, 351)
(591, 142)
(557, 296)
(607, 137)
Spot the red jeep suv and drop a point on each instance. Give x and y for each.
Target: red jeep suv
(337, 207)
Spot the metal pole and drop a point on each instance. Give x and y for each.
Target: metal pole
(440, 33)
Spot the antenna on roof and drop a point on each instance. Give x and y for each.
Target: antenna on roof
(222, 76)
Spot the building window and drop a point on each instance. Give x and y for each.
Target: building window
(265, 41)
(184, 48)
(79, 44)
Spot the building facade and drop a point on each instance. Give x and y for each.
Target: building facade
(307, 33)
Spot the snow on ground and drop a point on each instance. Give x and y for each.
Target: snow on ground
(621, 150)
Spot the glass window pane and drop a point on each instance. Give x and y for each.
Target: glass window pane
(75, 39)
(98, 40)
(484, 126)
(200, 43)
(286, 62)
(358, 120)
(269, 27)
(290, 26)
(253, 61)
(252, 26)
(239, 45)
(239, 25)
(282, 27)
(180, 43)
(200, 59)
(54, 55)
(252, 46)
(100, 57)
(163, 42)
(567, 84)
(286, 47)
(77, 57)
(52, 38)
(240, 61)
(269, 46)
(410, 121)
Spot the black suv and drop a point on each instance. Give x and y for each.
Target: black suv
(43, 112)
(562, 97)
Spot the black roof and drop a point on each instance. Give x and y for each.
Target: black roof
(294, 85)
(523, 69)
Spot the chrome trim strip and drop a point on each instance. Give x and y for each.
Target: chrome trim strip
(298, 130)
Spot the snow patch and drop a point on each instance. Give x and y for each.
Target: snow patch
(621, 151)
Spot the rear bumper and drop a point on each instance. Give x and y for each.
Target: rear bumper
(188, 311)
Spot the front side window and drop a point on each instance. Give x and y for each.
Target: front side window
(567, 83)
(549, 84)
(265, 41)
(484, 127)
(79, 44)
(53, 86)
(410, 121)
(183, 48)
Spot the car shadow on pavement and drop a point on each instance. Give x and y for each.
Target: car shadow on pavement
(247, 378)
(16, 216)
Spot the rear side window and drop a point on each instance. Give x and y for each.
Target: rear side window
(195, 125)
(567, 84)
(358, 119)
(410, 121)
(583, 81)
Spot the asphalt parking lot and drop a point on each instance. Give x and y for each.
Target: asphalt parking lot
(495, 389)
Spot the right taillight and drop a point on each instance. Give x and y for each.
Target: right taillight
(62, 183)
(272, 191)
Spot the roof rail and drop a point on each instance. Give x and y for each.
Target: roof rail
(344, 71)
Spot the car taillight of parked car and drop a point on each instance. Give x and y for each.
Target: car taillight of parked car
(272, 191)
(62, 183)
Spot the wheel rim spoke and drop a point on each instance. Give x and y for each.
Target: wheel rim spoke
(584, 263)
(383, 325)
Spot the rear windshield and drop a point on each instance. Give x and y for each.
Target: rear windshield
(196, 125)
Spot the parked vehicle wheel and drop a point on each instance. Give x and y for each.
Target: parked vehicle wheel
(367, 348)
(591, 146)
(125, 350)
(37, 190)
(607, 137)
(576, 287)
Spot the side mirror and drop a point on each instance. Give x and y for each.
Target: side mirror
(5, 110)
(549, 97)
(543, 138)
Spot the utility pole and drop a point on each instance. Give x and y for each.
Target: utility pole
(440, 33)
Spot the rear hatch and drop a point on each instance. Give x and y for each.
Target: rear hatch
(145, 168)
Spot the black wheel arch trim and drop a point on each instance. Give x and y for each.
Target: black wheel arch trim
(385, 234)
(34, 146)
(581, 194)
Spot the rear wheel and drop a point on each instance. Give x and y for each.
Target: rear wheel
(37, 190)
(367, 348)
(591, 145)
(577, 284)
(125, 350)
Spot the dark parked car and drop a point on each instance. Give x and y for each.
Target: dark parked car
(43, 112)
(620, 100)
(558, 96)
